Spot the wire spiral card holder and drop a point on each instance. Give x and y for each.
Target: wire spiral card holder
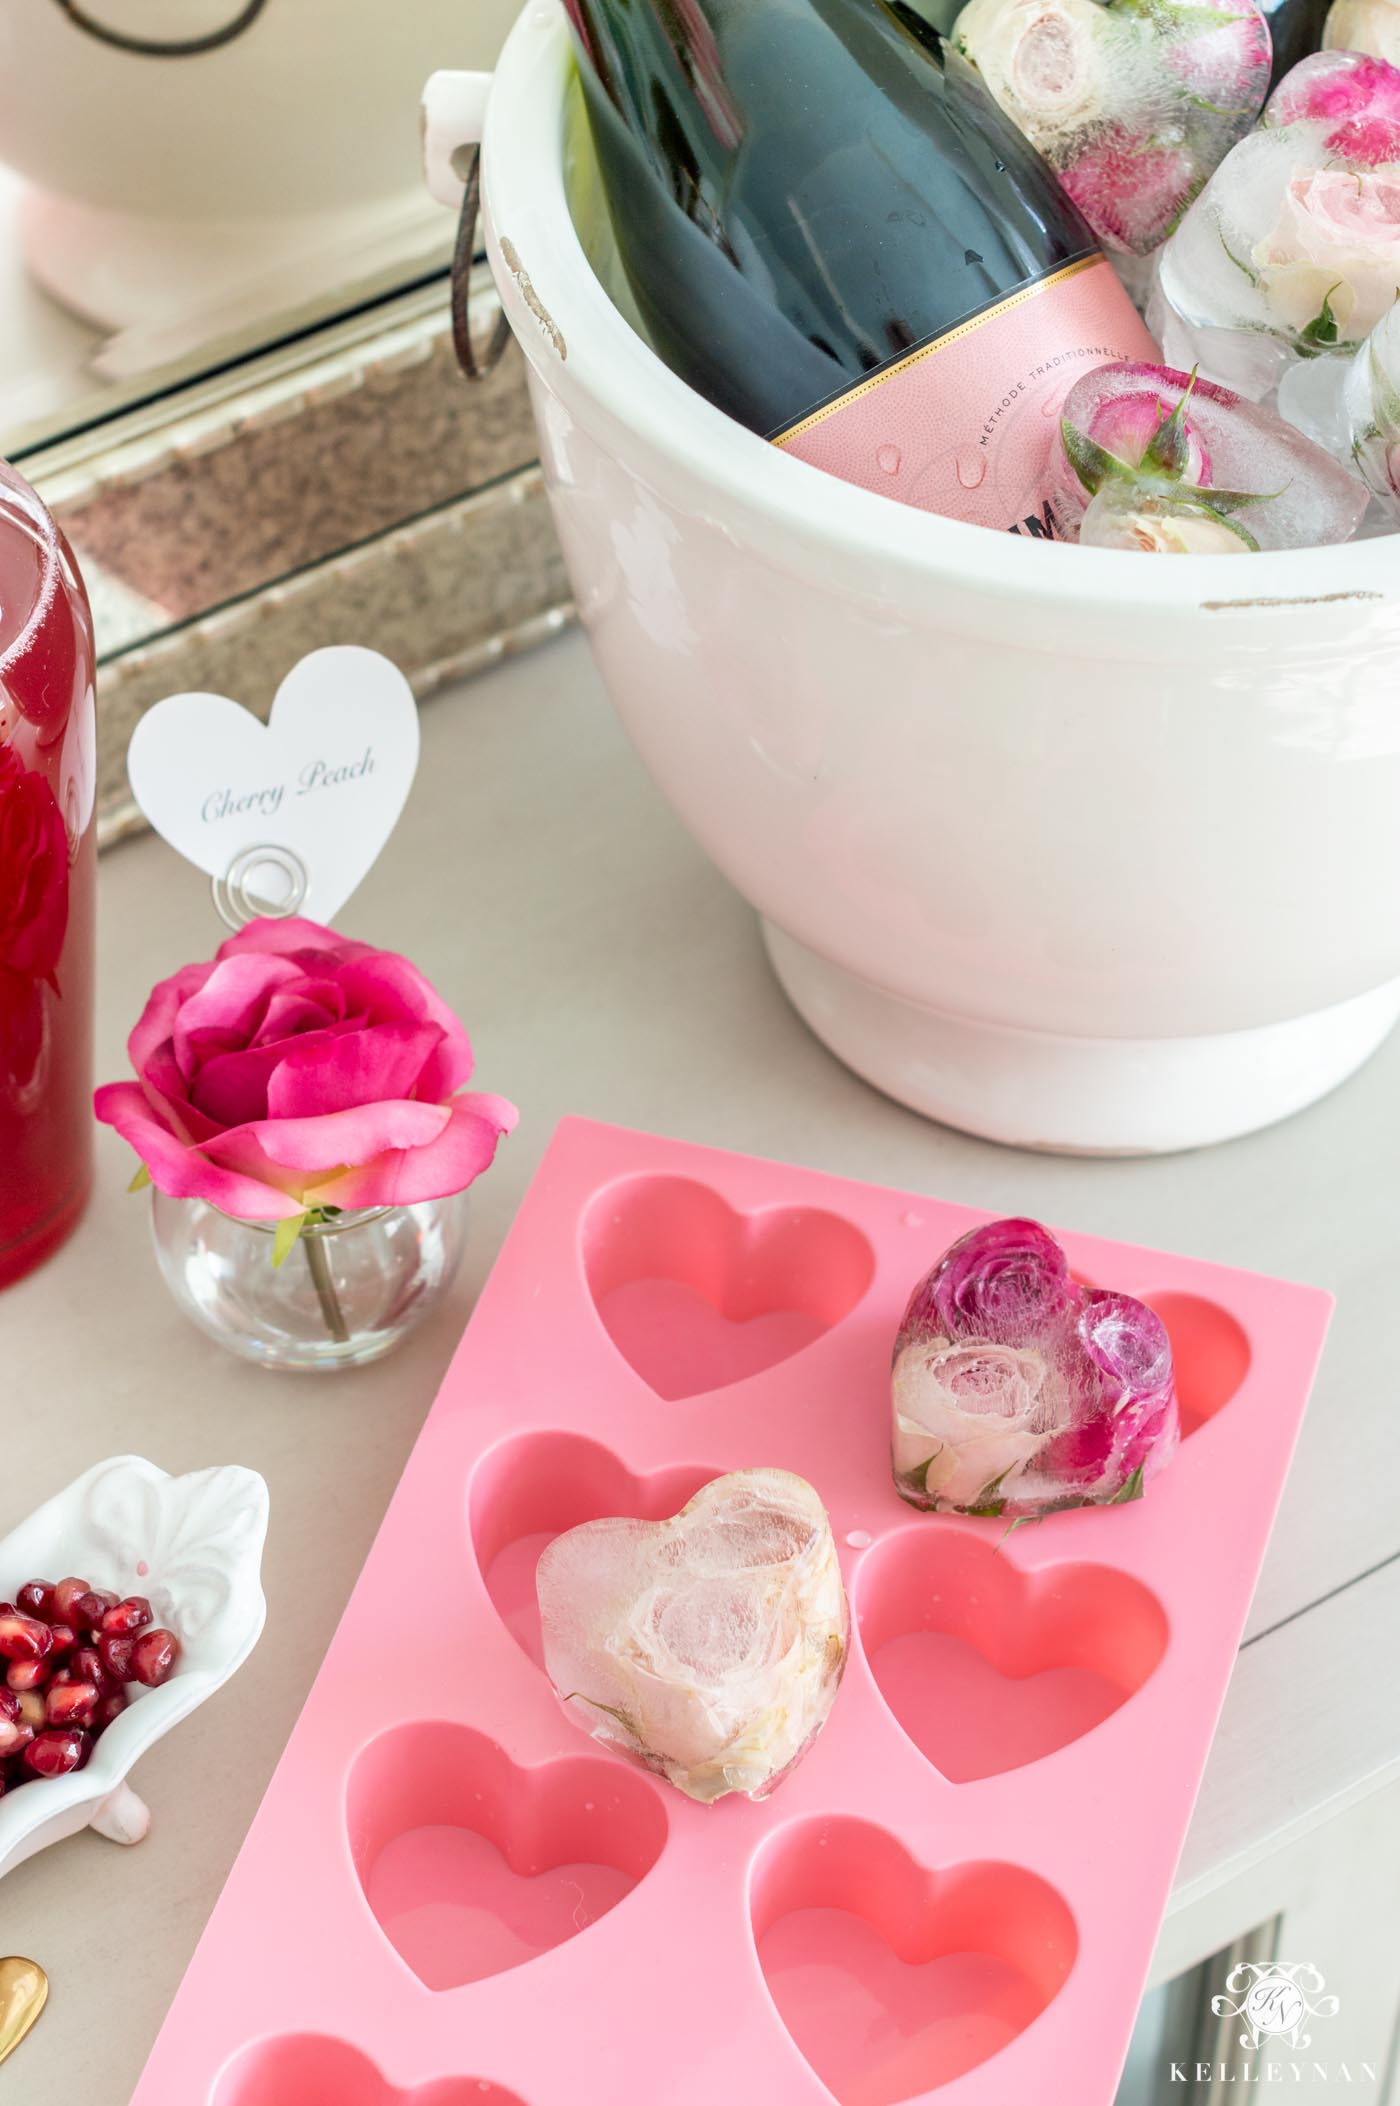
(235, 900)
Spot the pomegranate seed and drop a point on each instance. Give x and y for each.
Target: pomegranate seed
(56, 1751)
(90, 1608)
(88, 1665)
(24, 1638)
(14, 1736)
(65, 1595)
(9, 1608)
(27, 1674)
(130, 1615)
(32, 1709)
(116, 1654)
(9, 1704)
(153, 1657)
(109, 1707)
(36, 1599)
(64, 1638)
(71, 1704)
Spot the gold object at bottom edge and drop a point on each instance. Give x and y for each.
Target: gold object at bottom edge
(24, 1991)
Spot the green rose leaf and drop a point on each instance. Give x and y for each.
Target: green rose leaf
(285, 1240)
(1091, 463)
(140, 1181)
(1322, 333)
(1129, 1491)
(1169, 448)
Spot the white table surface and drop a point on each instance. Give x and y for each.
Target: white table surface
(605, 968)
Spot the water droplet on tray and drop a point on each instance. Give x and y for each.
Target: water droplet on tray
(860, 1539)
(889, 458)
(972, 471)
(911, 1220)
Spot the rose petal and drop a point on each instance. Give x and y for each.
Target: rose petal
(334, 1073)
(391, 989)
(232, 1089)
(465, 1147)
(156, 1023)
(271, 935)
(315, 1147)
(230, 1003)
(185, 1173)
(303, 1005)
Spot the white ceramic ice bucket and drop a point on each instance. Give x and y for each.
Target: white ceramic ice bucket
(1073, 848)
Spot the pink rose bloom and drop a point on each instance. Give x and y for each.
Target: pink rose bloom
(297, 1069)
(1337, 240)
(1358, 94)
(1335, 84)
(1132, 195)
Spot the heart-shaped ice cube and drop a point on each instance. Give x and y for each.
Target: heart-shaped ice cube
(1017, 1390)
(1133, 105)
(708, 1647)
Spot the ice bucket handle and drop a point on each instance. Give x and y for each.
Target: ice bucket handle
(454, 116)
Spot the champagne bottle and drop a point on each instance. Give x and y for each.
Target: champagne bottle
(833, 233)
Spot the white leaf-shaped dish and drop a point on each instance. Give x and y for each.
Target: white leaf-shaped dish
(193, 1546)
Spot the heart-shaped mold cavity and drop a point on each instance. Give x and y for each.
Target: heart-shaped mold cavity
(988, 1667)
(532, 1488)
(696, 1296)
(1210, 1354)
(311, 2069)
(472, 1865)
(893, 1979)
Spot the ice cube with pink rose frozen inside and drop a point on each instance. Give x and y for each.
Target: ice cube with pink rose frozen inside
(1018, 1391)
(1297, 234)
(708, 1647)
(1132, 104)
(1164, 462)
(1371, 412)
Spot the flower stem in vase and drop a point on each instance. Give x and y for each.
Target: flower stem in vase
(319, 1265)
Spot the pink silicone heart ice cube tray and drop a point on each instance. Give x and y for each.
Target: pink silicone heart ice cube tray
(451, 1896)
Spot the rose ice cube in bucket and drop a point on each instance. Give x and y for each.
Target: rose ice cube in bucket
(1297, 235)
(1132, 107)
(708, 1647)
(1160, 460)
(1017, 1391)
(1371, 407)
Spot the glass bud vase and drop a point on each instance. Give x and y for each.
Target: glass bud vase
(345, 1293)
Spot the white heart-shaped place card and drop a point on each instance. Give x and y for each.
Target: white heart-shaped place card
(291, 814)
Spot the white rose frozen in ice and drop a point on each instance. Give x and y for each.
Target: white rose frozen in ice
(1364, 25)
(1371, 411)
(968, 1418)
(1159, 530)
(709, 1646)
(1336, 244)
(1041, 59)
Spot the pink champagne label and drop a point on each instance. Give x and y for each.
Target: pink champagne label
(967, 423)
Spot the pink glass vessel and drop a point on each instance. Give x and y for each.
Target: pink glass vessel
(47, 882)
